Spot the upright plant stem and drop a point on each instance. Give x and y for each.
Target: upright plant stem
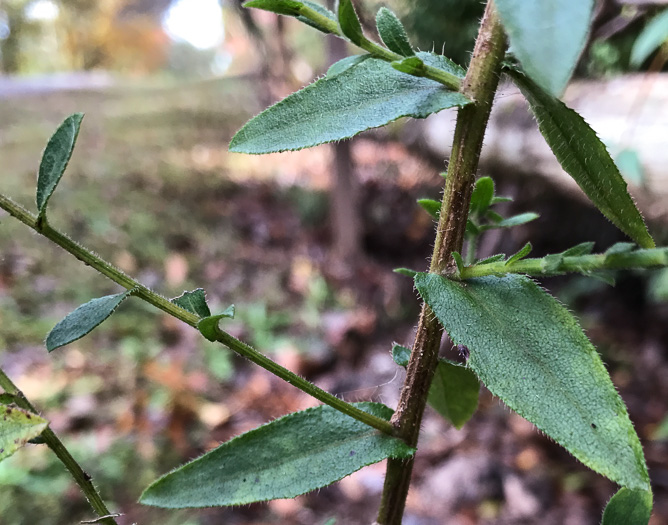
(51, 440)
(480, 86)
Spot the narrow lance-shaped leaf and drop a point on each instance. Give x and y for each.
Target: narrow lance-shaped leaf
(530, 352)
(547, 36)
(17, 427)
(585, 158)
(83, 320)
(280, 7)
(628, 507)
(350, 23)
(368, 95)
(344, 64)
(290, 456)
(55, 158)
(392, 32)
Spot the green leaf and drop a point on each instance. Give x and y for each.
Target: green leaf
(321, 11)
(55, 158)
(208, 326)
(585, 159)
(517, 220)
(280, 7)
(650, 39)
(454, 389)
(392, 32)
(526, 250)
(290, 456)
(482, 195)
(344, 64)
(401, 354)
(83, 320)
(454, 392)
(497, 200)
(405, 271)
(458, 261)
(530, 352)
(551, 263)
(584, 248)
(620, 247)
(17, 427)
(491, 259)
(350, 23)
(431, 206)
(628, 507)
(7, 399)
(411, 66)
(194, 302)
(547, 37)
(369, 95)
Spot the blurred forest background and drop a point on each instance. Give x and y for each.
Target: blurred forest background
(304, 244)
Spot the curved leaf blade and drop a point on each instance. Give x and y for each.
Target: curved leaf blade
(208, 326)
(290, 456)
(369, 95)
(17, 428)
(650, 39)
(344, 64)
(55, 158)
(585, 159)
(392, 32)
(530, 352)
(83, 320)
(280, 7)
(547, 36)
(628, 507)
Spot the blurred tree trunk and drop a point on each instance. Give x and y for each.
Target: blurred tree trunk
(11, 46)
(345, 217)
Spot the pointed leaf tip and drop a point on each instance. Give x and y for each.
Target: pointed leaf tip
(83, 320)
(55, 158)
(513, 330)
(586, 159)
(628, 507)
(292, 455)
(350, 23)
(194, 302)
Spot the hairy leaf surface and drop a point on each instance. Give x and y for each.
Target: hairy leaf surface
(628, 507)
(83, 320)
(547, 36)
(530, 352)
(290, 456)
(55, 158)
(392, 32)
(194, 302)
(454, 392)
(368, 95)
(585, 158)
(17, 427)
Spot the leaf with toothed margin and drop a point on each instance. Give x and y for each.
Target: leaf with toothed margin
(530, 352)
(84, 319)
(194, 302)
(208, 326)
(585, 159)
(369, 95)
(17, 428)
(392, 32)
(628, 507)
(55, 158)
(292, 455)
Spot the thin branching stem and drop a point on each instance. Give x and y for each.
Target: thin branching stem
(164, 304)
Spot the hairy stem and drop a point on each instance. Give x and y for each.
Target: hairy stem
(480, 86)
(141, 291)
(650, 258)
(81, 478)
